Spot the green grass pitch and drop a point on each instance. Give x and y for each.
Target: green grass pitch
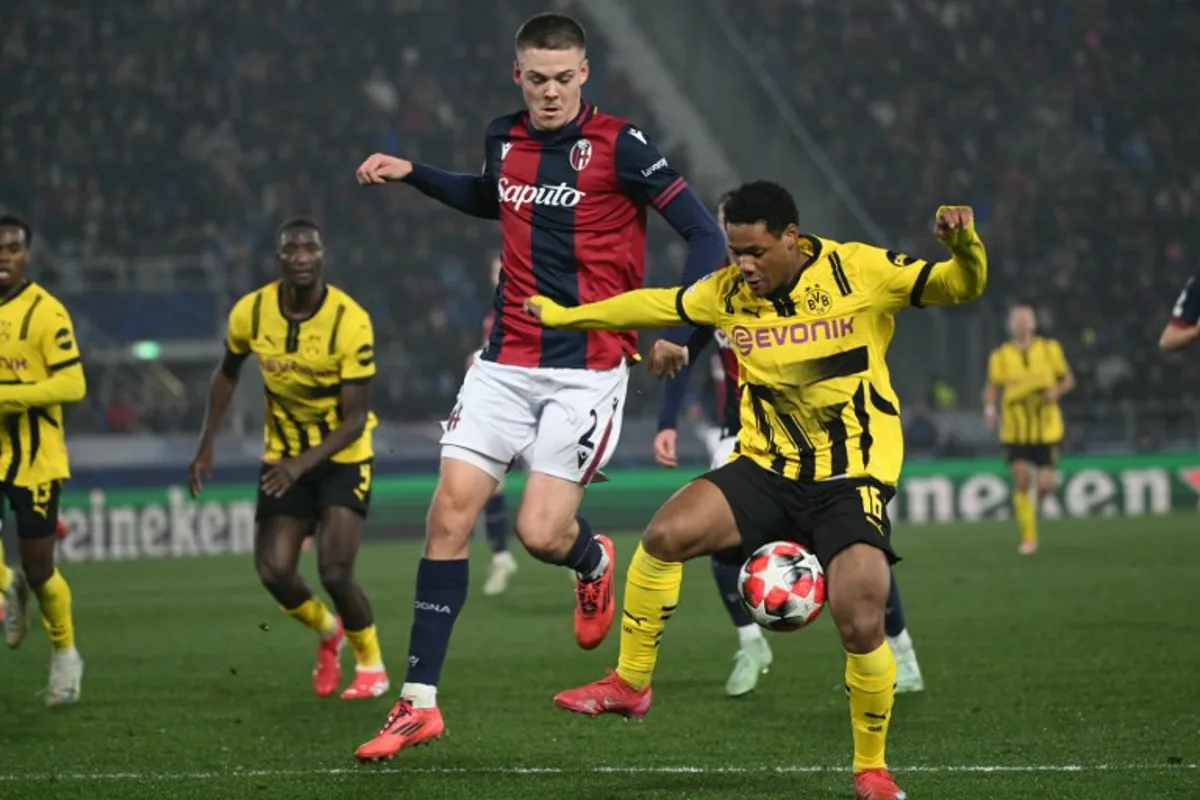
(1072, 674)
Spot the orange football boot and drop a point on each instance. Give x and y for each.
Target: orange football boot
(327, 674)
(876, 784)
(367, 684)
(594, 603)
(406, 726)
(609, 695)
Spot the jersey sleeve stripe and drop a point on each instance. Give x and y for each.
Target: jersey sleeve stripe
(919, 286)
(839, 274)
(337, 324)
(1179, 322)
(679, 307)
(670, 193)
(29, 317)
(363, 381)
(70, 362)
(256, 315)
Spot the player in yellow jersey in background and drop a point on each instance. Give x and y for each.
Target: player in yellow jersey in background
(315, 347)
(40, 371)
(820, 447)
(1027, 375)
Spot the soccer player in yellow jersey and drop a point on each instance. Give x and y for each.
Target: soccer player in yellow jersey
(40, 371)
(1026, 377)
(820, 447)
(315, 348)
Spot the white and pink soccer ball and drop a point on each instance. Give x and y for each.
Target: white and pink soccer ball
(782, 586)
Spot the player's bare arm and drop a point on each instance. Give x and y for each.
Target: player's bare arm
(220, 396)
(991, 394)
(1174, 337)
(1061, 387)
(355, 405)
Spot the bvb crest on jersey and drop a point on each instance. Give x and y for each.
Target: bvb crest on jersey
(817, 300)
(310, 346)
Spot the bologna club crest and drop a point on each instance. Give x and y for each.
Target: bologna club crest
(581, 155)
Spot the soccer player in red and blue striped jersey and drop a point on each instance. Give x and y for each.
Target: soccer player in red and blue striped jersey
(570, 186)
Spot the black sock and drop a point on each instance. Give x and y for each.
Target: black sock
(441, 594)
(585, 555)
(893, 619)
(726, 576)
(495, 516)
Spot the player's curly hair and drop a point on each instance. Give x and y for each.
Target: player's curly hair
(762, 201)
(13, 221)
(550, 31)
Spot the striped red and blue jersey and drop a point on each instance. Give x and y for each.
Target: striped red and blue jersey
(572, 209)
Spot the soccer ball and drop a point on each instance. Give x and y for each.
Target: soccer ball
(782, 586)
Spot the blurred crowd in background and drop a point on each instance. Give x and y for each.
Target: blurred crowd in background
(189, 129)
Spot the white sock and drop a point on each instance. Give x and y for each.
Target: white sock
(748, 633)
(901, 643)
(66, 655)
(598, 572)
(421, 695)
(382, 668)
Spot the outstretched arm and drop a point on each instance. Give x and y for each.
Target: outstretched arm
(962, 278)
(471, 194)
(636, 310)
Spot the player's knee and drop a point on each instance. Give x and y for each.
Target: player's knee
(37, 570)
(1020, 479)
(546, 536)
(271, 572)
(667, 539)
(336, 578)
(859, 584)
(451, 519)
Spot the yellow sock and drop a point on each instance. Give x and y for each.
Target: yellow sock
(651, 594)
(54, 597)
(314, 615)
(365, 644)
(871, 687)
(6, 573)
(1026, 514)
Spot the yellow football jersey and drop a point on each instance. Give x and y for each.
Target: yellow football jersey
(40, 369)
(1024, 374)
(816, 397)
(304, 364)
